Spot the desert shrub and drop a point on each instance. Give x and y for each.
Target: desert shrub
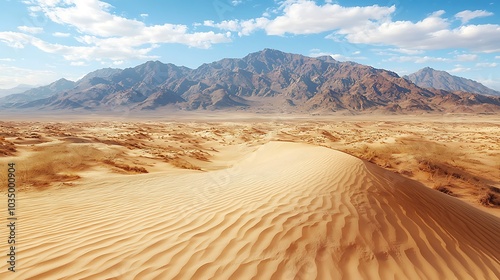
(7, 148)
(494, 189)
(182, 163)
(444, 189)
(490, 199)
(125, 167)
(54, 164)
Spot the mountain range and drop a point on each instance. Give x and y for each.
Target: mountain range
(430, 78)
(14, 90)
(264, 81)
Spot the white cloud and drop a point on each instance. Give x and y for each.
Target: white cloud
(13, 76)
(497, 57)
(306, 17)
(15, 39)
(336, 56)
(236, 2)
(104, 35)
(384, 53)
(244, 27)
(231, 25)
(487, 65)
(118, 62)
(7, 59)
(373, 25)
(466, 57)
(61, 34)
(418, 59)
(144, 15)
(459, 70)
(490, 82)
(318, 53)
(32, 30)
(467, 15)
(112, 49)
(407, 51)
(431, 33)
(78, 63)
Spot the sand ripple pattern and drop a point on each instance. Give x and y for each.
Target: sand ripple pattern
(288, 211)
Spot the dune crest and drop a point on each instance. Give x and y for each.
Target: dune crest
(286, 211)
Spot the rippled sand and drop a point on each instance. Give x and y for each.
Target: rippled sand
(283, 211)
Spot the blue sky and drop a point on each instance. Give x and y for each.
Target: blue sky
(44, 40)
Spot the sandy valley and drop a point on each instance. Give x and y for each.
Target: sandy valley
(247, 197)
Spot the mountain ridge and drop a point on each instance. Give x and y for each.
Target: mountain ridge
(33, 94)
(430, 78)
(14, 90)
(268, 80)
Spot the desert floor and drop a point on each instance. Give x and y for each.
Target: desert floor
(246, 196)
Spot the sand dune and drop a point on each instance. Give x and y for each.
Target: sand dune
(285, 211)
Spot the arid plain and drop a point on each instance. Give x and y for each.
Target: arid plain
(229, 196)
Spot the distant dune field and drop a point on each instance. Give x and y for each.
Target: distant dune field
(255, 199)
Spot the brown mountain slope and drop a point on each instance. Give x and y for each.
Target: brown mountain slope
(265, 77)
(430, 78)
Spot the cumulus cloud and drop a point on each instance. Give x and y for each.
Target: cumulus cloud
(306, 17)
(15, 39)
(105, 35)
(32, 30)
(340, 57)
(78, 63)
(407, 51)
(487, 64)
(418, 59)
(490, 82)
(13, 76)
(372, 25)
(430, 33)
(466, 57)
(243, 27)
(61, 34)
(459, 70)
(467, 15)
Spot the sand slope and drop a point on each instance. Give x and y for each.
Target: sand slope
(287, 211)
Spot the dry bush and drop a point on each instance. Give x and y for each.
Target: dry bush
(7, 148)
(494, 189)
(435, 164)
(198, 154)
(381, 156)
(329, 136)
(182, 163)
(54, 164)
(364, 152)
(125, 167)
(428, 156)
(490, 199)
(34, 135)
(444, 189)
